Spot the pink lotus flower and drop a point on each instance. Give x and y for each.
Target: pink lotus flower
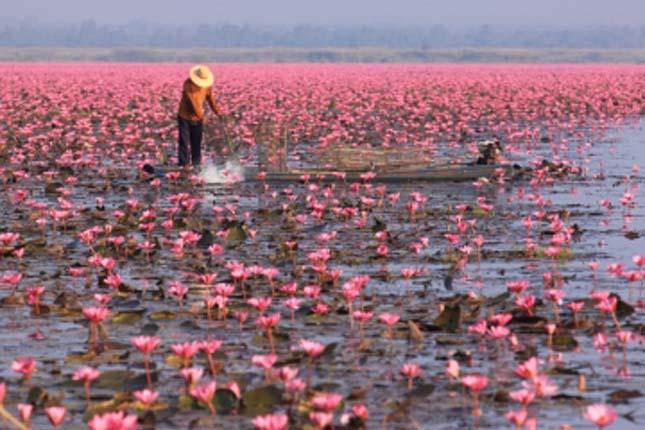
(542, 386)
(113, 421)
(145, 344)
(639, 260)
(268, 321)
(480, 327)
(600, 415)
(361, 412)
(146, 396)
(528, 369)
(321, 419)
(56, 414)
(311, 348)
(498, 332)
(411, 371)
(271, 422)
(575, 306)
(526, 303)
(185, 351)
(517, 417)
(523, 396)
(452, 369)
(389, 319)
(259, 303)
(264, 361)
(517, 287)
(191, 375)
(474, 382)
(607, 305)
(205, 394)
(234, 388)
(96, 314)
(327, 401)
(24, 365)
(25, 410)
(501, 319)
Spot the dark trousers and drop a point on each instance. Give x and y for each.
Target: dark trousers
(190, 133)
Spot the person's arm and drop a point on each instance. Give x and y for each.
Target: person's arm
(212, 103)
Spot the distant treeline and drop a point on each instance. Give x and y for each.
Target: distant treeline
(89, 34)
(325, 55)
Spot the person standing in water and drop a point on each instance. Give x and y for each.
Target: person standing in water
(197, 89)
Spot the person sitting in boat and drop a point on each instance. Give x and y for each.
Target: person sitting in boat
(490, 152)
(197, 89)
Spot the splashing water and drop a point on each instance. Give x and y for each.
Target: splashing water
(231, 172)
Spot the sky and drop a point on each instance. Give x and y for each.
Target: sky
(274, 13)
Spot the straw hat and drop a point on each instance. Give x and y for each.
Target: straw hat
(201, 76)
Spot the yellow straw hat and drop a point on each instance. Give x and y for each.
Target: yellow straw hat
(201, 76)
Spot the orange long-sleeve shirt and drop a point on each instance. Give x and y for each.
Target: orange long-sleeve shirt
(191, 106)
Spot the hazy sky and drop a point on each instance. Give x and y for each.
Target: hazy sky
(510, 13)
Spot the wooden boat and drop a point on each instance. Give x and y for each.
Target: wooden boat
(433, 173)
(353, 164)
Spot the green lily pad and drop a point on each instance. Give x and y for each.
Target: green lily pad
(164, 413)
(80, 358)
(327, 387)
(186, 403)
(236, 233)
(127, 317)
(448, 340)
(38, 396)
(52, 187)
(501, 396)
(206, 240)
(106, 406)
(422, 391)
(623, 309)
(261, 400)
(329, 349)
(450, 318)
(140, 382)
(498, 300)
(113, 379)
(163, 315)
(564, 342)
(224, 401)
(623, 395)
(415, 332)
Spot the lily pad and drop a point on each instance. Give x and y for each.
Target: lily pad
(140, 382)
(623, 309)
(186, 403)
(163, 315)
(329, 349)
(206, 240)
(450, 318)
(224, 401)
(564, 342)
(624, 395)
(415, 332)
(80, 358)
(39, 396)
(113, 379)
(106, 406)
(127, 317)
(236, 233)
(422, 391)
(261, 400)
